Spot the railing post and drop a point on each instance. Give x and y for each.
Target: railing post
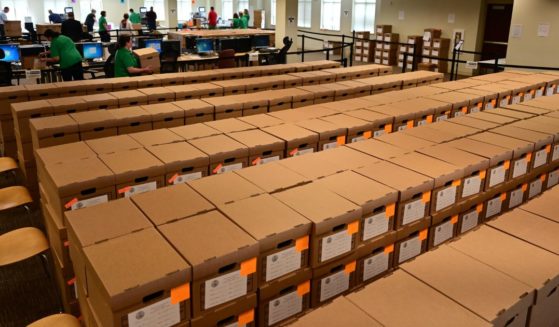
(405, 63)
(414, 59)
(342, 49)
(496, 66)
(351, 48)
(453, 63)
(303, 48)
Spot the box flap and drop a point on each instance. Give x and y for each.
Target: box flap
(404, 141)
(113, 144)
(179, 156)
(470, 162)
(378, 149)
(442, 172)
(220, 147)
(194, 107)
(519, 147)
(272, 177)
(129, 115)
(132, 164)
(88, 120)
(161, 111)
(191, 132)
(325, 129)
(49, 126)
(258, 141)
(229, 125)
(261, 121)
(495, 154)
(224, 188)
(339, 312)
(312, 166)
(156, 137)
(64, 152)
(292, 134)
(346, 158)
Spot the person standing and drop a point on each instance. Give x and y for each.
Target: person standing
(151, 18)
(103, 28)
(125, 62)
(90, 20)
(212, 19)
(236, 21)
(244, 23)
(72, 28)
(134, 17)
(125, 25)
(247, 15)
(63, 51)
(3, 19)
(54, 18)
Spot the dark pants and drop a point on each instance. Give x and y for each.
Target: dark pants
(74, 72)
(105, 36)
(152, 26)
(2, 32)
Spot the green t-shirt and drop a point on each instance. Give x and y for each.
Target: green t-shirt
(237, 23)
(124, 58)
(102, 23)
(135, 18)
(64, 48)
(248, 18)
(244, 22)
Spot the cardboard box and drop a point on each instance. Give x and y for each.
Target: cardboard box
(55, 130)
(332, 280)
(415, 190)
(195, 131)
(225, 153)
(135, 171)
(41, 91)
(130, 98)
(472, 214)
(204, 76)
(345, 158)
(446, 269)
(378, 149)
(164, 288)
(282, 234)
(241, 312)
(377, 201)
(158, 94)
(335, 220)
(299, 141)
(183, 162)
(494, 203)
(122, 83)
(196, 111)
(444, 226)
(262, 147)
(272, 177)
(95, 124)
(321, 93)
(68, 105)
(225, 107)
(224, 188)
(166, 204)
(223, 258)
(232, 86)
(253, 105)
(276, 101)
(60, 153)
(148, 57)
(261, 121)
(382, 123)
(57, 235)
(165, 115)
(312, 166)
(186, 92)
(330, 135)
(535, 269)
(156, 137)
(472, 122)
(12, 28)
(22, 112)
(132, 120)
(411, 240)
(229, 125)
(355, 127)
(383, 299)
(375, 258)
(406, 142)
(11, 94)
(113, 144)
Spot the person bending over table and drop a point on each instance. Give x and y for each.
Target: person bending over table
(125, 62)
(63, 51)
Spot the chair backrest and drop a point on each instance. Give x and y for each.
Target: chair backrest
(281, 57)
(109, 67)
(227, 59)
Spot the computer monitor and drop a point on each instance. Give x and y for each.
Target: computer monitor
(153, 43)
(244, 44)
(201, 10)
(92, 50)
(171, 46)
(225, 44)
(68, 9)
(11, 52)
(143, 10)
(260, 41)
(204, 45)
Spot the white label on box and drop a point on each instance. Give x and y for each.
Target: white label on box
(527, 96)
(446, 197)
(235, 324)
(550, 91)
(375, 225)
(282, 263)
(489, 105)
(443, 232)
(516, 99)
(379, 31)
(436, 44)
(269, 159)
(458, 114)
(284, 307)
(409, 249)
(539, 93)
(387, 38)
(497, 175)
(75, 286)
(411, 41)
(402, 128)
(441, 118)
(377, 60)
(378, 53)
(379, 45)
(516, 198)
(187, 177)
(474, 109)
(304, 151)
(426, 60)
(469, 221)
(335, 245)
(333, 285)
(365, 59)
(555, 154)
(553, 179)
(535, 188)
(401, 56)
(378, 133)
(375, 265)
(357, 139)
(400, 64)
(385, 55)
(228, 168)
(504, 102)
(403, 49)
(426, 52)
(471, 186)
(90, 202)
(331, 145)
(435, 53)
(161, 313)
(141, 188)
(224, 288)
(520, 167)
(493, 207)
(435, 61)
(413, 211)
(540, 158)
(387, 47)
(422, 122)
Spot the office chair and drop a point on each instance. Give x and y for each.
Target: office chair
(5, 71)
(281, 56)
(226, 59)
(109, 67)
(169, 62)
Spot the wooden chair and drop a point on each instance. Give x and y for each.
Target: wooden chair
(21, 244)
(9, 165)
(57, 320)
(13, 197)
(227, 59)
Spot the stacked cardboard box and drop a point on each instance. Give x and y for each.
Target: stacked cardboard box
(438, 48)
(386, 49)
(414, 46)
(364, 49)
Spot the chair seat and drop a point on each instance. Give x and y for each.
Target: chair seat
(14, 196)
(57, 320)
(21, 244)
(7, 164)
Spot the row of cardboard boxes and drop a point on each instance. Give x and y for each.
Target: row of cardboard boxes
(513, 258)
(53, 104)
(299, 197)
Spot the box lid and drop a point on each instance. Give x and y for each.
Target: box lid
(311, 166)
(404, 141)
(33, 89)
(320, 90)
(258, 141)
(519, 147)
(152, 92)
(113, 144)
(453, 129)
(128, 115)
(539, 139)
(292, 116)
(501, 120)
(272, 177)
(470, 282)
(378, 149)
(106, 221)
(53, 125)
(156, 137)
(544, 206)
(442, 172)
(263, 216)
(354, 125)
(496, 154)
(261, 120)
(510, 113)
(521, 107)
(346, 158)
(339, 312)
(387, 297)
(220, 147)
(221, 104)
(194, 131)
(325, 129)
(113, 260)
(229, 125)
(130, 95)
(429, 134)
(145, 52)
(168, 204)
(406, 181)
(470, 162)
(195, 107)
(163, 111)
(73, 176)
(224, 188)
(371, 116)
(132, 164)
(67, 102)
(63, 152)
(292, 134)
(472, 122)
(13, 92)
(179, 156)
(32, 108)
(88, 120)
(96, 99)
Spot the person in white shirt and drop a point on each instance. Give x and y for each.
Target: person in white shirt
(3, 19)
(125, 25)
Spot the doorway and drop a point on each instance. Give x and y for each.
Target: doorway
(496, 35)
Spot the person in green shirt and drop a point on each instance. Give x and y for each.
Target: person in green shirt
(236, 21)
(134, 17)
(103, 28)
(247, 15)
(63, 51)
(244, 21)
(125, 62)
